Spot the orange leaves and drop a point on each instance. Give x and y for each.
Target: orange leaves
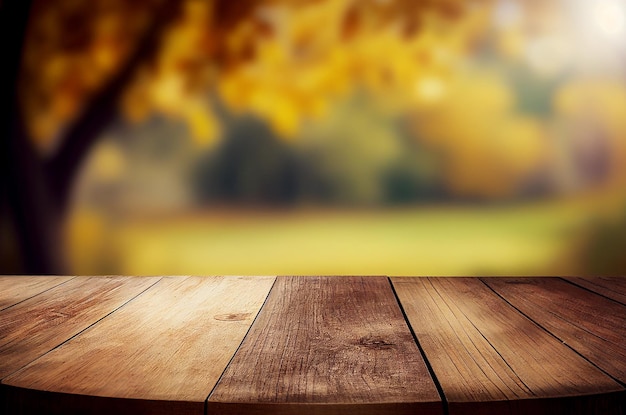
(297, 69)
(282, 60)
(72, 49)
(176, 81)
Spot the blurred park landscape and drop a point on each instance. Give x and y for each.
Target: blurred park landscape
(449, 137)
(542, 239)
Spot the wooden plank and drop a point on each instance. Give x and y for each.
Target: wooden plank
(161, 353)
(15, 289)
(490, 359)
(610, 287)
(592, 325)
(41, 323)
(324, 345)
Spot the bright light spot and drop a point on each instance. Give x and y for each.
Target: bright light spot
(598, 40)
(548, 55)
(609, 16)
(430, 89)
(168, 91)
(507, 13)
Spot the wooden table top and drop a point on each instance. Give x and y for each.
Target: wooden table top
(312, 345)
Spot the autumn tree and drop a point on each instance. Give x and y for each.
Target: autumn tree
(63, 87)
(74, 66)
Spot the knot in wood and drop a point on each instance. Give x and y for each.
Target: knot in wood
(232, 316)
(377, 343)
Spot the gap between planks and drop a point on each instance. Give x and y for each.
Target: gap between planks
(587, 322)
(174, 341)
(29, 287)
(37, 325)
(492, 359)
(340, 407)
(327, 345)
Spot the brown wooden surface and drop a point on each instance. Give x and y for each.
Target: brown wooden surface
(15, 289)
(320, 345)
(327, 345)
(592, 325)
(163, 352)
(611, 287)
(41, 323)
(490, 359)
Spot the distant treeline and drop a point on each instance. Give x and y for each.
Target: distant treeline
(253, 165)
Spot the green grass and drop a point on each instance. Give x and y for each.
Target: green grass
(535, 240)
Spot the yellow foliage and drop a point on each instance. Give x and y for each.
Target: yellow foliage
(290, 69)
(167, 92)
(511, 43)
(202, 123)
(488, 149)
(583, 96)
(71, 50)
(521, 145)
(430, 90)
(297, 71)
(471, 104)
(284, 118)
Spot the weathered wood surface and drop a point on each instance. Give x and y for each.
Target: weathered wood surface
(162, 352)
(610, 287)
(324, 345)
(592, 325)
(320, 345)
(490, 359)
(39, 324)
(15, 289)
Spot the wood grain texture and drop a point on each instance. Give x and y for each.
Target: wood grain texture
(41, 323)
(490, 359)
(161, 353)
(610, 287)
(592, 325)
(15, 289)
(324, 345)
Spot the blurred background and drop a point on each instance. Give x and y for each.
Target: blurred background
(394, 137)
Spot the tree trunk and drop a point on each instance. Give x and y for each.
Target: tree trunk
(26, 204)
(36, 192)
(61, 169)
